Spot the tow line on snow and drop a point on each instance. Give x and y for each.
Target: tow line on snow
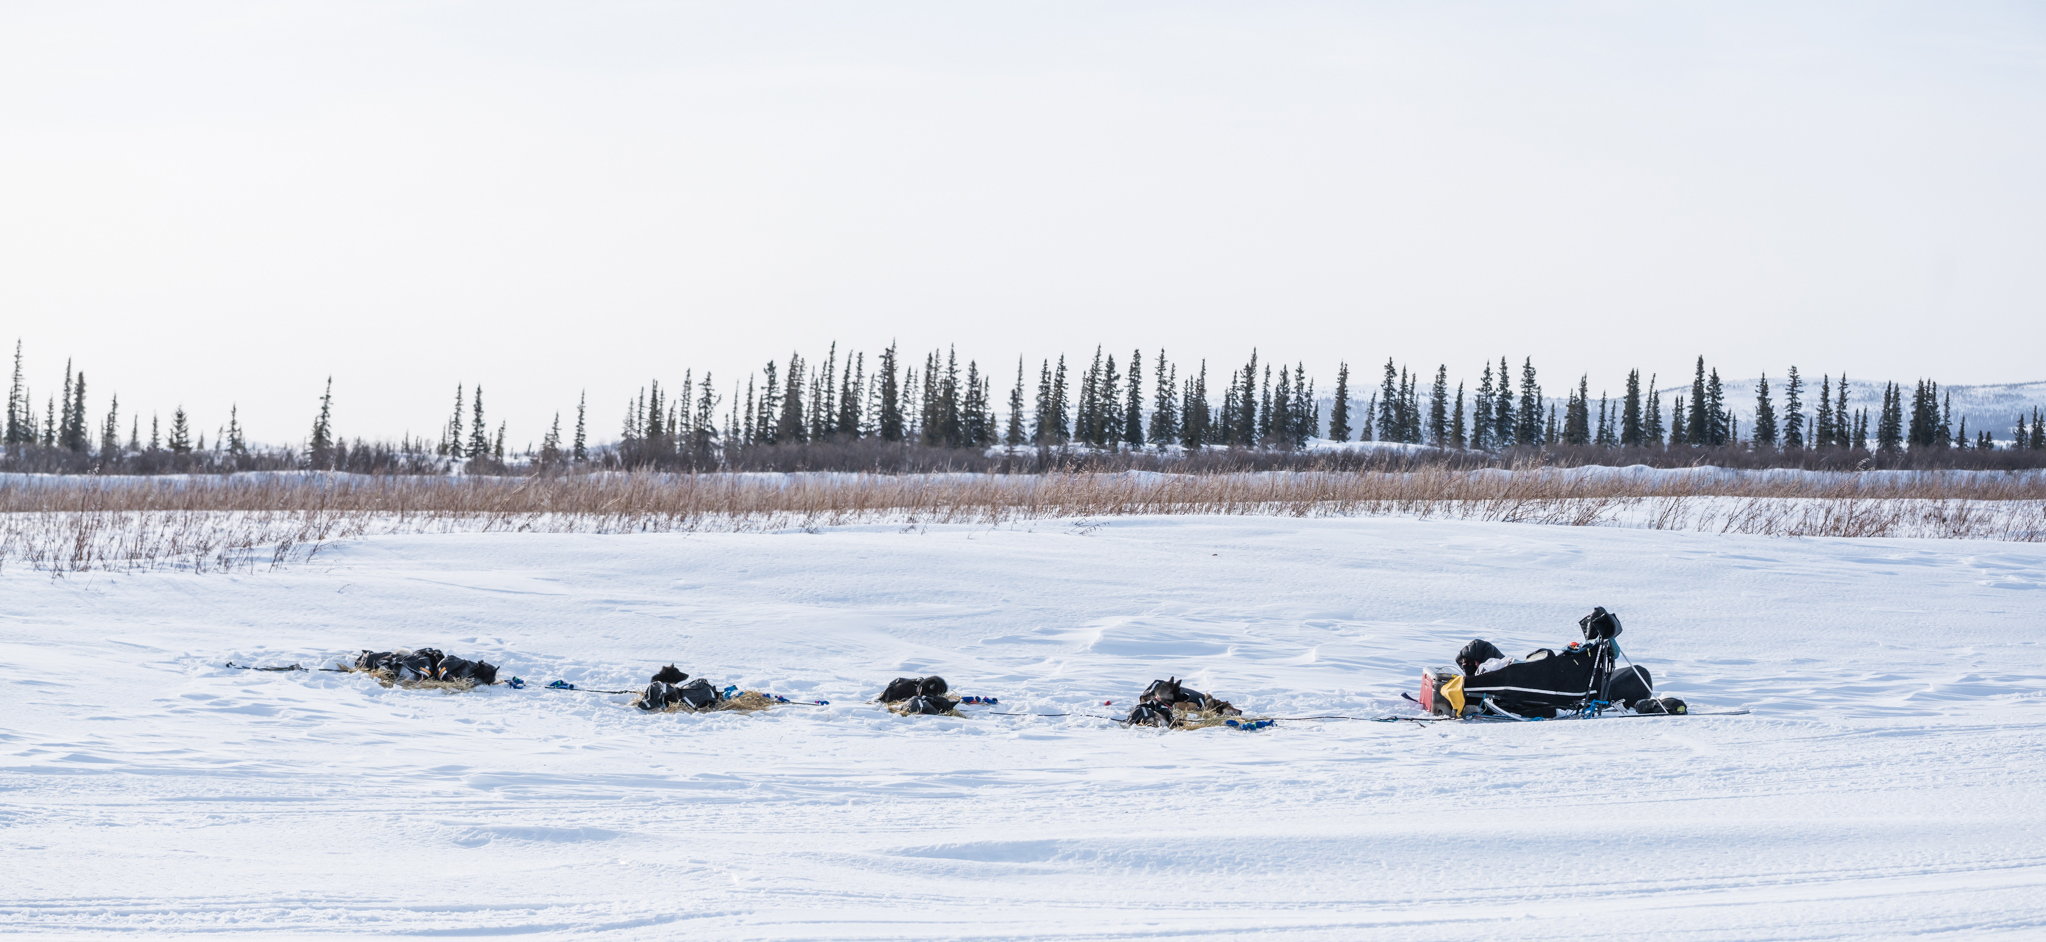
(294, 667)
(517, 683)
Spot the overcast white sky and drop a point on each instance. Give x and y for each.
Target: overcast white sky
(210, 203)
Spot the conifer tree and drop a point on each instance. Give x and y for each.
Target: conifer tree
(19, 413)
(581, 450)
(50, 423)
(1721, 431)
(1860, 430)
(1946, 435)
(1481, 410)
(1014, 436)
(1824, 431)
(550, 444)
(1698, 423)
(1245, 427)
(319, 445)
(1196, 425)
(1765, 414)
(1549, 433)
(1456, 429)
(1262, 431)
(1438, 408)
(888, 411)
(1133, 409)
(479, 433)
(1577, 415)
(1528, 430)
(181, 431)
(1389, 388)
(1793, 411)
(63, 423)
(1165, 405)
(451, 437)
(1840, 426)
(1339, 410)
(789, 426)
(1040, 427)
(1606, 437)
(1890, 433)
(1631, 432)
(1678, 434)
(1651, 422)
(1503, 426)
(110, 433)
(155, 434)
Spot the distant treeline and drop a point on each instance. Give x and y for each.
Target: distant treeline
(839, 415)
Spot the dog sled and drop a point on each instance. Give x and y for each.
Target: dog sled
(1585, 679)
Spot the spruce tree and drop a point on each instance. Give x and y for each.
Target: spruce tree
(1014, 436)
(1528, 430)
(479, 433)
(181, 431)
(1890, 433)
(1165, 405)
(1840, 426)
(1457, 437)
(1605, 436)
(1721, 431)
(1824, 432)
(451, 436)
(1651, 422)
(1793, 411)
(1389, 403)
(1133, 409)
(1245, 432)
(237, 446)
(1196, 424)
(1765, 414)
(581, 451)
(110, 433)
(1339, 410)
(550, 445)
(155, 434)
(1481, 411)
(1577, 415)
(1698, 423)
(320, 444)
(888, 414)
(789, 426)
(1630, 412)
(1503, 426)
(77, 440)
(1057, 415)
(18, 411)
(1946, 435)
(1438, 408)
(1678, 434)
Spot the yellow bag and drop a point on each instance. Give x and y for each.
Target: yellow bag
(1452, 691)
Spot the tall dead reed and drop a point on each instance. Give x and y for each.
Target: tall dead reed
(242, 522)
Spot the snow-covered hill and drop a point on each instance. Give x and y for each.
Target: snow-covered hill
(1886, 785)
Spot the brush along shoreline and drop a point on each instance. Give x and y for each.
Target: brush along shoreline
(244, 522)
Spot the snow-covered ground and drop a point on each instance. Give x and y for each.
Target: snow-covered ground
(1887, 784)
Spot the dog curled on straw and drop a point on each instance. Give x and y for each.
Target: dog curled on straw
(1170, 703)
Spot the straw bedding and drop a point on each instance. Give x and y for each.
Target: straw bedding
(750, 701)
(389, 679)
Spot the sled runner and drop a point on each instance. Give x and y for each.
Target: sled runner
(1585, 677)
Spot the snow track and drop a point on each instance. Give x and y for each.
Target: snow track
(1886, 785)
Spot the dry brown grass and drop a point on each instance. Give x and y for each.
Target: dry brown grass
(230, 523)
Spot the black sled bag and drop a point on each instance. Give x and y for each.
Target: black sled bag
(1559, 680)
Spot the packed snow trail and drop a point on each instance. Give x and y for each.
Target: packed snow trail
(1885, 786)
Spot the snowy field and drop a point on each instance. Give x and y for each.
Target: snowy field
(1887, 785)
